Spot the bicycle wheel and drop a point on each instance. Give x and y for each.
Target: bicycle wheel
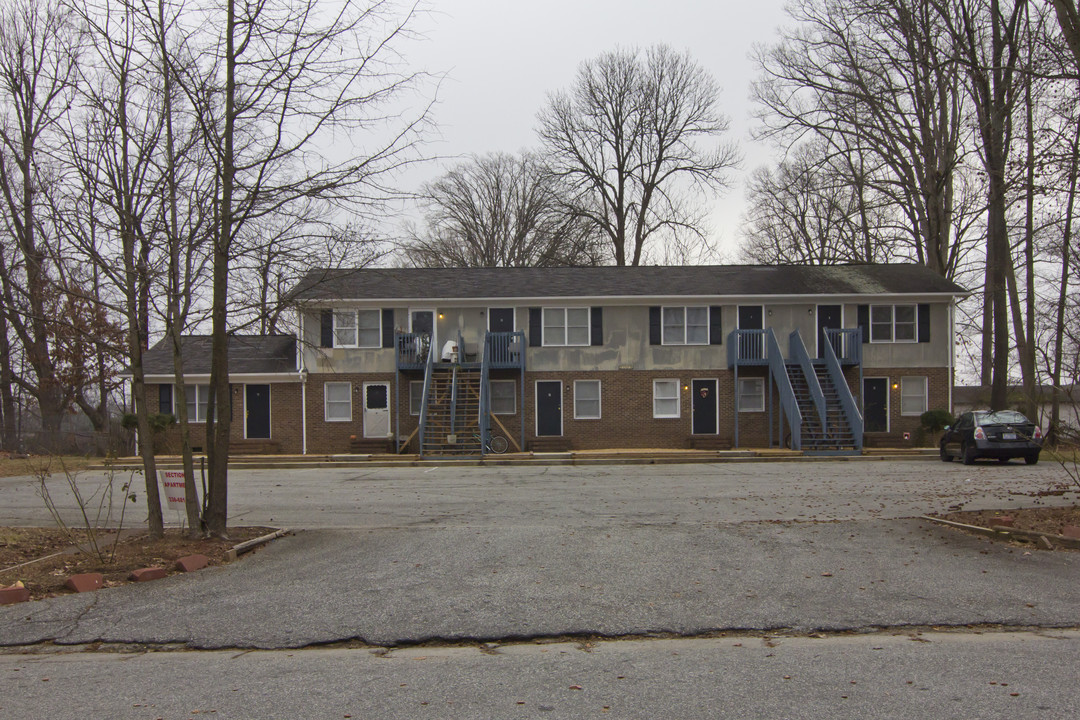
(498, 444)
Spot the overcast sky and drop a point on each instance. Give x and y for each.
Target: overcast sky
(503, 57)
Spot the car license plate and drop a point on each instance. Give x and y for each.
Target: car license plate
(1008, 436)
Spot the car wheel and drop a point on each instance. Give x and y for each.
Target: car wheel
(1031, 459)
(969, 454)
(945, 456)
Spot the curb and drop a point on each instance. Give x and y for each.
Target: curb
(1004, 532)
(248, 545)
(540, 459)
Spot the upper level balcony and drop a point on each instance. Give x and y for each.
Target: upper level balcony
(749, 347)
(504, 350)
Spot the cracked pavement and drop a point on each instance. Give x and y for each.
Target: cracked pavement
(494, 554)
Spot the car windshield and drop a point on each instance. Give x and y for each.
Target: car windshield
(1001, 417)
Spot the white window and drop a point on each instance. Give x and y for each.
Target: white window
(566, 326)
(344, 328)
(338, 399)
(503, 397)
(369, 328)
(416, 396)
(893, 323)
(686, 326)
(198, 402)
(358, 328)
(912, 395)
(904, 323)
(586, 399)
(751, 395)
(665, 398)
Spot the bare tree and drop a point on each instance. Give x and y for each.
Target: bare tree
(285, 81)
(876, 77)
(638, 139)
(808, 211)
(1068, 16)
(38, 56)
(500, 210)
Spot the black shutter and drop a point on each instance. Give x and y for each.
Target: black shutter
(654, 325)
(716, 330)
(597, 326)
(924, 323)
(326, 336)
(165, 399)
(864, 322)
(535, 340)
(388, 327)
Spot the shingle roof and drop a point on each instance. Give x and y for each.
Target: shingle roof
(701, 280)
(248, 354)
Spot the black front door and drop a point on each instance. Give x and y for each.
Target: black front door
(751, 317)
(257, 406)
(548, 408)
(501, 320)
(704, 392)
(831, 317)
(876, 405)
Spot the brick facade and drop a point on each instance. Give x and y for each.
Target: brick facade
(626, 411)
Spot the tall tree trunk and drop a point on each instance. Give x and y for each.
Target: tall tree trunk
(218, 431)
(8, 430)
(1053, 433)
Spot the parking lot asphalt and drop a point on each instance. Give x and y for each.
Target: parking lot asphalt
(488, 555)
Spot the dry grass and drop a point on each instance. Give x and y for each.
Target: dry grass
(17, 467)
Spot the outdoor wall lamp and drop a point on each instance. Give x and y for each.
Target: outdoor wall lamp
(896, 386)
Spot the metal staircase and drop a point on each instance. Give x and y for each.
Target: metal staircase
(835, 433)
(452, 417)
(813, 397)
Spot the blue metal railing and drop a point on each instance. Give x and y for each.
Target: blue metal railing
(789, 406)
(428, 371)
(836, 373)
(505, 349)
(798, 352)
(411, 350)
(846, 345)
(748, 347)
(485, 396)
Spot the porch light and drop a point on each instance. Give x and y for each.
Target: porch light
(685, 388)
(440, 316)
(896, 386)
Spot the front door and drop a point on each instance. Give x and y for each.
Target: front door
(257, 412)
(548, 407)
(376, 410)
(876, 405)
(752, 317)
(831, 317)
(501, 320)
(422, 322)
(704, 407)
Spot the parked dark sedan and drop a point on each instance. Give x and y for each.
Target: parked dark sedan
(1003, 435)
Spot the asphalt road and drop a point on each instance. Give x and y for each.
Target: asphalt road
(932, 675)
(604, 555)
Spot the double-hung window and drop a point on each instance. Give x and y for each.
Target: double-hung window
(198, 402)
(416, 396)
(358, 328)
(686, 325)
(503, 397)
(586, 399)
(751, 395)
(566, 326)
(893, 323)
(338, 399)
(665, 398)
(913, 395)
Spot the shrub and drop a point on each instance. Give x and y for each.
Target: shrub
(934, 421)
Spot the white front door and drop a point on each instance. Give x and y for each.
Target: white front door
(376, 410)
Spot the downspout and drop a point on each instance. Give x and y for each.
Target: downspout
(952, 351)
(303, 382)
